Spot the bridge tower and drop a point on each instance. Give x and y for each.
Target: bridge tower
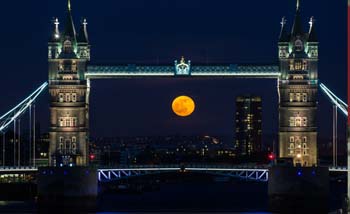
(68, 55)
(298, 57)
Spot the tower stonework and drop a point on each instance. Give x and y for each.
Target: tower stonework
(68, 55)
(298, 57)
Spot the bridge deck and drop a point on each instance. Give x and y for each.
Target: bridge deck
(233, 70)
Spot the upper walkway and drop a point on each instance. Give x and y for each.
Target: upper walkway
(182, 70)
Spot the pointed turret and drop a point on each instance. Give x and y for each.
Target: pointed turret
(298, 25)
(312, 31)
(69, 30)
(55, 36)
(83, 36)
(284, 37)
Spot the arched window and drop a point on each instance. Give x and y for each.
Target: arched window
(62, 122)
(74, 148)
(67, 46)
(291, 139)
(60, 148)
(291, 146)
(305, 139)
(67, 77)
(74, 66)
(68, 98)
(298, 121)
(304, 97)
(61, 97)
(304, 121)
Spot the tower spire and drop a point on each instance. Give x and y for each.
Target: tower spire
(69, 6)
(297, 26)
(69, 30)
(298, 4)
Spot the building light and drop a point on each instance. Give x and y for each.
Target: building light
(298, 155)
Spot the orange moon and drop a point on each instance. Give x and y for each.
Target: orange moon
(183, 106)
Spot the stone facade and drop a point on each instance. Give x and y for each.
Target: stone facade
(68, 55)
(298, 56)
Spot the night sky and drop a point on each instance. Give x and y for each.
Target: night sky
(158, 32)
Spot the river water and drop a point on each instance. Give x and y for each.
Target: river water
(184, 196)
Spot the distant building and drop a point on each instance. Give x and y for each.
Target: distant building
(248, 125)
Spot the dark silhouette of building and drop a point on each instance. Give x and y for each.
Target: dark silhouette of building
(248, 125)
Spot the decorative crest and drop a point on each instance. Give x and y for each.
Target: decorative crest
(182, 68)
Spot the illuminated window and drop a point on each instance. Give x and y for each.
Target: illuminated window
(298, 66)
(74, 66)
(60, 66)
(68, 98)
(68, 121)
(291, 139)
(291, 97)
(305, 139)
(74, 97)
(74, 121)
(291, 148)
(297, 121)
(291, 65)
(292, 121)
(61, 98)
(67, 77)
(304, 97)
(298, 77)
(304, 121)
(298, 97)
(74, 139)
(305, 149)
(62, 122)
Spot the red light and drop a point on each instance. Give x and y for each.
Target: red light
(92, 157)
(271, 156)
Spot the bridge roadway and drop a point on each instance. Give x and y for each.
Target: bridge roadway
(246, 172)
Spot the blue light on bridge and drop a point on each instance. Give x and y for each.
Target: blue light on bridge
(299, 173)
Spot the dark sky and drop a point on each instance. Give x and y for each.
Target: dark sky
(160, 31)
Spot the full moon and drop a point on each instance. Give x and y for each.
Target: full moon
(183, 106)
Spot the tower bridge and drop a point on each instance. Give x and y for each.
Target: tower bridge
(70, 73)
